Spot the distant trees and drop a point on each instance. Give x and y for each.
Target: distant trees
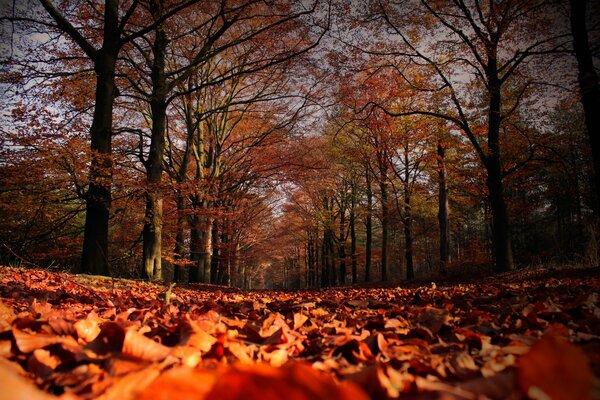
(232, 142)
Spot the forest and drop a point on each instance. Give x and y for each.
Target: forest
(315, 199)
(282, 144)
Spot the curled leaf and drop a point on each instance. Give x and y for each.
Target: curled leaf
(137, 345)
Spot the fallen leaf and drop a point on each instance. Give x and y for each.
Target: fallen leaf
(137, 345)
(555, 369)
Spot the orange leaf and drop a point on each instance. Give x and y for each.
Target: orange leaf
(140, 346)
(556, 369)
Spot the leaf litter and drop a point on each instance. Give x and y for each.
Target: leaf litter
(521, 335)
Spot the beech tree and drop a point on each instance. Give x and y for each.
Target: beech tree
(100, 36)
(589, 85)
(488, 43)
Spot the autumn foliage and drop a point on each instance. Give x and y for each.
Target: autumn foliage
(516, 336)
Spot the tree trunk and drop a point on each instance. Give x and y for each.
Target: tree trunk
(443, 208)
(342, 247)
(94, 257)
(216, 274)
(589, 86)
(179, 239)
(353, 240)
(153, 221)
(368, 228)
(384, 225)
(200, 249)
(502, 246)
(325, 258)
(408, 234)
(408, 245)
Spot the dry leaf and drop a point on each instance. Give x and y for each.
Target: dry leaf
(555, 369)
(137, 345)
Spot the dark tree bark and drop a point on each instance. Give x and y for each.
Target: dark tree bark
(408, 234)
(444, 225)
(342, 246)
(368, 227)
(502, 246)
(385, 223)
(353, 234)
(588, 85)
(94, 257)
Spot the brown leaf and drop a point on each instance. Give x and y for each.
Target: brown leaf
(555, 369)
(299, 320)
(137, 345)
(433, 318)
(87, 329)
(28, 342)
(7, 316)
(199, 339)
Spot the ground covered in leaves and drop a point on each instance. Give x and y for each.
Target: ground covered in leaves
(528, 334)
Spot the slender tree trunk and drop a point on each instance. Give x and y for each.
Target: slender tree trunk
(384, 225)
(589, 86)
(216, 274)
(342, 247)
(444, 224)
(153, 221)
(368, 228)
(408, 237)
(324, 258)
(353, 239)
(179, 239)
(502, 246)
(408, 233)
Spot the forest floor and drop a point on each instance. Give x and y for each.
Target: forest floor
(525, 334)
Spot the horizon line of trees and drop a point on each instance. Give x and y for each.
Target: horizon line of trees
(255, 143)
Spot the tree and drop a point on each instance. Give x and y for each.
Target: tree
(102, 51)
(589, 85)
(486, 43)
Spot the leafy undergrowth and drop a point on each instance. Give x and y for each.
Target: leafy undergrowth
(518, 335)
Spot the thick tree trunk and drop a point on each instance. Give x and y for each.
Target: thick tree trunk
(589, 86)
(443, 222)
(200, 249)
(94, 257)
(368, 228)
(502, 246)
